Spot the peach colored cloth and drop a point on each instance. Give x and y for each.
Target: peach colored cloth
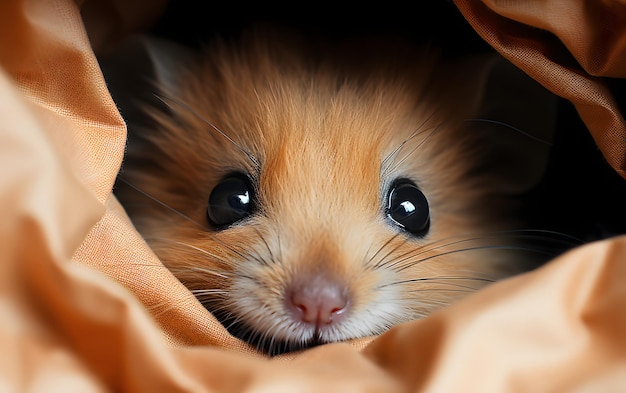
(570, 47)
(86, 307)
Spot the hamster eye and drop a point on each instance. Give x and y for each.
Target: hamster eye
(230, 201)
(407, 207)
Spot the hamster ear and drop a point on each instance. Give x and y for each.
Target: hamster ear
(518, 118)
(141, 68)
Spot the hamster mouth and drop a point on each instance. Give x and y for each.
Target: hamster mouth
(266, 341)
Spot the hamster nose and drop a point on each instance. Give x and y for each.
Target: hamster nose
(318, 300)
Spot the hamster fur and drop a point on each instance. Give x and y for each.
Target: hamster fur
(325, 154)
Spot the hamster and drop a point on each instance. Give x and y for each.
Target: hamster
(309, 194)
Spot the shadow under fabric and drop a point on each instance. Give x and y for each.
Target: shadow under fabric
(85, 305)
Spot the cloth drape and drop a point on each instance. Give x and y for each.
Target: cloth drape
(86, 306)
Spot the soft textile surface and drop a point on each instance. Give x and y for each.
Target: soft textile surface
(85, 306)
(570, 47)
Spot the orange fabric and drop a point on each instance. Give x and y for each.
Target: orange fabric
(570, 47)
(85, 306)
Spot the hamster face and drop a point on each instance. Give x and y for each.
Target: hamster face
(306, 206)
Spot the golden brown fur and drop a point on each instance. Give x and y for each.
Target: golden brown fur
(322, 140)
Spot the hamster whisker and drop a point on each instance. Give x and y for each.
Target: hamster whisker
(557, 240)
(511, 127)
(549, 242)
(417, 308)
(438, 291)
(433, 130)
(380, 249)
(255, 162)
(204, 252)
(249, 255)
(409, 261)
(172, 242)
(425, 307)
(546, 236)
(199, 293)
(157, 266)
(444, 280)
(418, 131)
(262, 338)
(228, 319)
(267, 247)
(433, 245)
(196, 269)
(217, 307)
(165, 205)
(163, 307)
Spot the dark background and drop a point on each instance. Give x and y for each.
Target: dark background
(580, 194)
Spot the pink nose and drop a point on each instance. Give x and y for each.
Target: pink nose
(318, 300)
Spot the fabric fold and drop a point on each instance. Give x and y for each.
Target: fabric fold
(86, 306)
(573, 48)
